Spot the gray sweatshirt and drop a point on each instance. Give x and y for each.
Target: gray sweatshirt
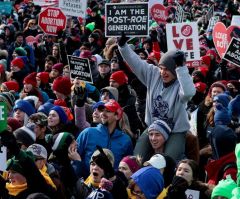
(168, 104)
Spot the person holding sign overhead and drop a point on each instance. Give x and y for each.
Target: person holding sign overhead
(169, 88)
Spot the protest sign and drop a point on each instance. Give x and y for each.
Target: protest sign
(233, 52)
(212, 22)
(179, 13)
(131, 18)
(184, 36)
(52, 20)
(3, 116)
(235, 20)
(76, 8)
(160, 13)
(30, 40)
(46, 3)
(80, 67)
(3, 158)
(192, 194)
(153, 2)
(222, 36)
(6, 8)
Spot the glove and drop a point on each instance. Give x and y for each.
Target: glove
(79, 96)
(178, 188)
(8, 140)
(154, 35)
(179, 58)
(122, 40)
(103, 162)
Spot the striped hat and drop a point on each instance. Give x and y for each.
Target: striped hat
(62, 141)
(25, 135)
(9, 99)
(161, 127)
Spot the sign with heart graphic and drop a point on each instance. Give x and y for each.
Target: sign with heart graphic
(222, 37)
(30, 40)
(160, 13)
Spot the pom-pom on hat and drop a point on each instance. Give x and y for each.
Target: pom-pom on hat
(62, 85)
(31, 79)
(11, 85)
(161, 127)
(58, 67)
(120, 77)
(44, 77)
(61, 113)
(62, 141)
(18, 62)
(24, 106)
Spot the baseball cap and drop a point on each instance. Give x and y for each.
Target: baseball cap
(38, 150)
(157, 161)
(113, 106)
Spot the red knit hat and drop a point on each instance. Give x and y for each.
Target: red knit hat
(31, 79)
(11, 85)
(13, 123)
(206, 60)
(43, 76)
(200, 87)
(58, 67)
(18, 62)
(120, 77)
(62, 85)
(203, 70)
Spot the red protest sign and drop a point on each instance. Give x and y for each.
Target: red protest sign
(160, 13)
(30, 40)
(52, 20)
(222, 37)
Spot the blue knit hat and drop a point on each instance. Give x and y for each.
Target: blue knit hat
(150, 181)
(96, 105)
(45, 108)
(234, 106)
(223, 99)
(221, 116)
(24, 106)
(160, 126)
(61, 113)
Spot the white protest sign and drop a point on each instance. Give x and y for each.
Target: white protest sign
(212, 22)
(235, 20)
(192, 194)
(184, 36)
(76, 8)
(3, 158)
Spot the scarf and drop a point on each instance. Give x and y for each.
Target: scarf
(47, 177)
(14, 190)
(89, 181)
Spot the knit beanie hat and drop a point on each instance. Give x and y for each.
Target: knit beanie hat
(61, 113)
(236, 193)
(200, 87)
(18, 62)
(150, 181)
(120, 77)
(20, 51)
(199, 74)
(38, 150)
(9, 99)
(161, 127)
(206, 60)
(44, 77)
(24, 106)
(85, 54)
(58, 67)
(62, 85)
(204, 70)
(61, 141)
(25, 136)
(132, 163)
(13, 123)
(224, 188)
(167, 60)
(11, 85)
(45, 108)
(221, 116)
(223, 99)
(113, 92)
(91, 26)
(234, 106)
(217, 84)
(39, 119)
(31, 79)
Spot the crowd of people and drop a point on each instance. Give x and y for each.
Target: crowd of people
(148, 127)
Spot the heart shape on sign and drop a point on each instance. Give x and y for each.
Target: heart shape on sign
(160, 13)
(222, 36)
(30, 40)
